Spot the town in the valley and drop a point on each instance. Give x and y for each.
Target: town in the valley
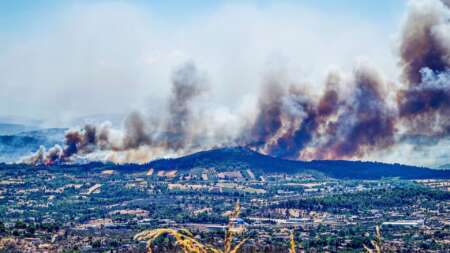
(100, 209)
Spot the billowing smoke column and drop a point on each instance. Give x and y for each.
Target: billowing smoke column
(136, 134)
(291, 125)
(364, 121)
(47, 157)
(299, 111)
(285, 123)
(76, 142)
(187, 83)
(269, 119)
(173, 134)
(353, 117)
(352, 125)
(424, 103)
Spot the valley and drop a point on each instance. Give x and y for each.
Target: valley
(100, 207)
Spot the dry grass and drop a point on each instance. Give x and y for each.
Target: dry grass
(4, 242)
(186, 241)
(230, 233)
(377, 243)
(292, 244)
(183, 238)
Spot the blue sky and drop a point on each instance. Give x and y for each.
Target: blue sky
(17, 15)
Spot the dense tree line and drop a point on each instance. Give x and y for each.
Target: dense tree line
(372, 199)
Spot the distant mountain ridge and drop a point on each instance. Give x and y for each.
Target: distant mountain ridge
(12, 128)
(444, 167)
(15, 145)
(242, 158)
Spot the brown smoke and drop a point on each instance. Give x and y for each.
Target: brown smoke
(420, 45)
(424, 103)
(364, 123)
(300, 121)
(329, 102)
(269, 118)
(47, 157)
(173, 134)
(86, 140)
(136, 134)
(353, 116)
(291, 125)
(83, 141)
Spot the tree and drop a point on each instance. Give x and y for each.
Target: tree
(2, 228)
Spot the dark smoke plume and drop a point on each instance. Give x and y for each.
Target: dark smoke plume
(173, 134)
(353, 116)
(76, 142)
(290, 121)
(424, 103)
(269, 118)
(136, 134)
(83, 141)
(420, 45)
(187, 83)
(330, 101)
(364, 123)
(300, 120)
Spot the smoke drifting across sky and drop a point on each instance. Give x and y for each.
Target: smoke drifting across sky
(99, 49)
(263, 85)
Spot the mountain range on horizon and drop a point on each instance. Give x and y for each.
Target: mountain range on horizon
(20, 140)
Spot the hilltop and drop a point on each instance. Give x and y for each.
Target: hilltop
(233, 158)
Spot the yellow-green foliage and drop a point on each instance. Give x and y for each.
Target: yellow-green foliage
(183, 238)
(229, 233)
(186, 241)
(292, 244)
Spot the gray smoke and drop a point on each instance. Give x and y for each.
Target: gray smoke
(187, 84)
(173, 134)
(353, 117)
(424, 102)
